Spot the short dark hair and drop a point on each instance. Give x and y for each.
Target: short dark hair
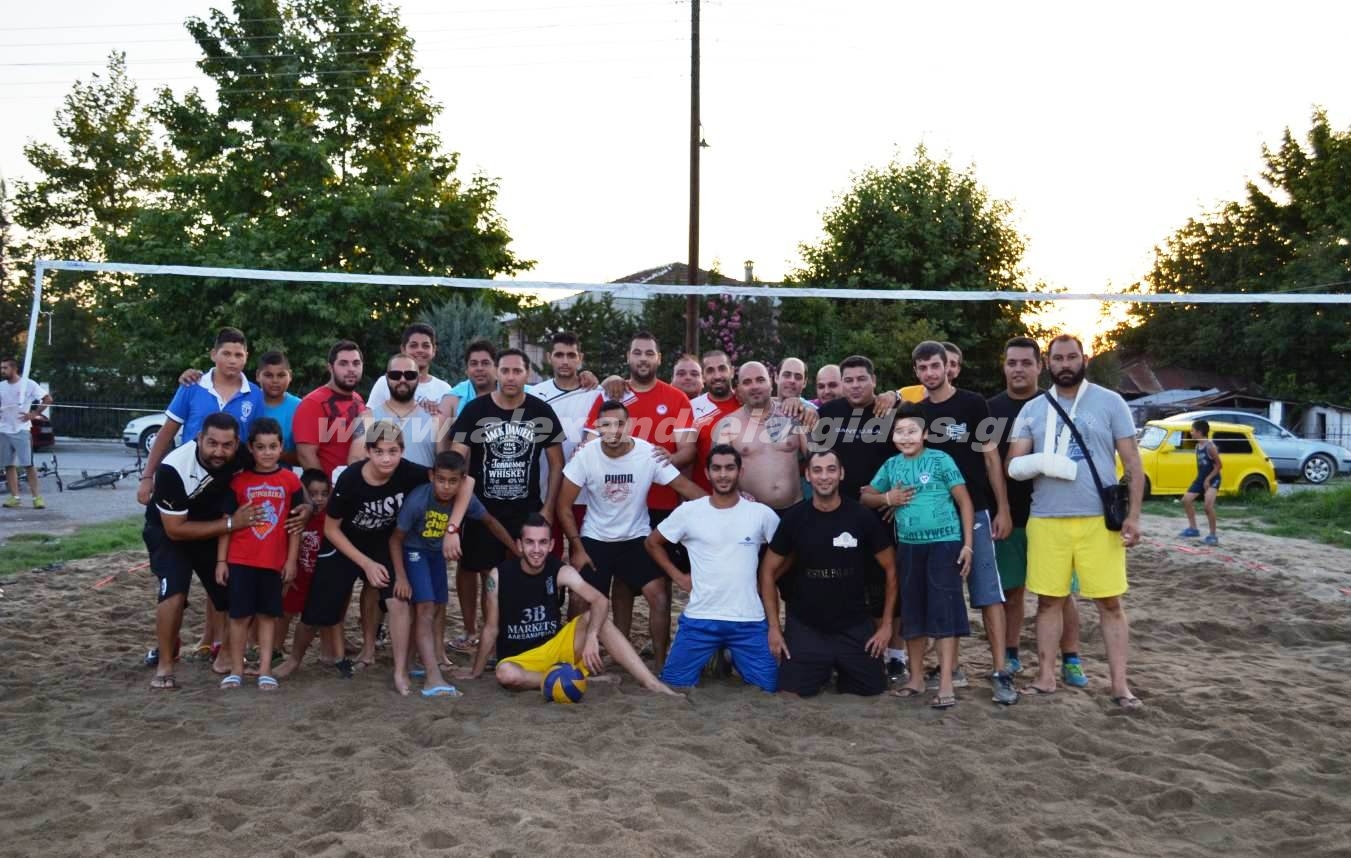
(415, 329)
(220, 420)
(449, 460)
(613, 405)
(644, 335)
(275, 357)
(1202, 426)
(910, 411)
(230, 335)
(816, 454)
(857, 361)
(688, 356)
(314, 475)
(481, 345)
(384, 430)
(928, 350)
(10, 359)
(952, 348)
(566, 338)
(713, 353)
(1023, 343)
(1066, 338)
(339, 347)
(512, 352)
(264, 426)
(723, 450)
(534, 519)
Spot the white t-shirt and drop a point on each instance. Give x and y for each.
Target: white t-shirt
(724, 547)
(432, 390)
(572, 408)
(16, 398)
(618, 489)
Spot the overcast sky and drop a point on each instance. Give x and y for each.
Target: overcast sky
(1105, 125)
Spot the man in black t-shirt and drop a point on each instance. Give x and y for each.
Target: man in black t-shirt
(819, 559)
(957, 422)
(1022, 366)
(524, 626)
(502, 436)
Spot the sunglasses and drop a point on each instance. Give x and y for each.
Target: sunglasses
(402, 375)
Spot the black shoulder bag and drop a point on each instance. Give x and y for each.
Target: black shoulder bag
(1116, 500)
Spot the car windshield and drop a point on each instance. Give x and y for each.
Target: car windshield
(1152, 437)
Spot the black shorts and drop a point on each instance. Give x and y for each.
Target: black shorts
(816, 654)
(679, 556)
(254, 591)
(334, 575)
(481, 550)
(174, 562)
(875, 580)
(627, 560)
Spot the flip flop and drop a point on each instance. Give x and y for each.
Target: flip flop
(943, 702)
(267, 683)
(231, 682)
(442, 691)
(906, 693)
(1034, 691)
(417, 673)
(1129, 703)
(164, 683)
(344, 668)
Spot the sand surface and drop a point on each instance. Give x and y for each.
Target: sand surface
(1241, 655)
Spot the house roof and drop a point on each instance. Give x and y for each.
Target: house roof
(1144, 375)
(677, 274)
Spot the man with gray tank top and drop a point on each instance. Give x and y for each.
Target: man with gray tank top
(421, 429)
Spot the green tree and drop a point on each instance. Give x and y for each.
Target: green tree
(457, 323)
(916, 225)
(601, 328)
(1290, 233)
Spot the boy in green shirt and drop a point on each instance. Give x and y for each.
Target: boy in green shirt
(934, 517)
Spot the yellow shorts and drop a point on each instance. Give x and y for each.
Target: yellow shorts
(561, 647)
(1059, 547)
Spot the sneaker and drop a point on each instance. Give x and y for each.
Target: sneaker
(39, 503)
(1190, 533)
(1004, 692)
(151, 657)
(1072, 674)
(1013, 666)
(12, 502)
(959, 679)
(1212, 539)
(897, 670)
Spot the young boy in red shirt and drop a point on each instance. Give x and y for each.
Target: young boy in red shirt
(258, 558)
(317, 489)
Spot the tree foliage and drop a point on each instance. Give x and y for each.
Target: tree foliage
(916, 225)
(457, 323)
(1290, 233)
(601, 328)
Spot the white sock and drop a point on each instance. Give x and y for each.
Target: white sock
(898, 654)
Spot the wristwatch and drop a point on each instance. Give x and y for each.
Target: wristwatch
(452, 528)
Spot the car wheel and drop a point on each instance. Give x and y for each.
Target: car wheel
(1255, 484)
(148, 439)
(1148, 493)
(1318, 469)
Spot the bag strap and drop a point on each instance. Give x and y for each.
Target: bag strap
(1079, 439)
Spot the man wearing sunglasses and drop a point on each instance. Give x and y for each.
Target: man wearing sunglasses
(421, 428)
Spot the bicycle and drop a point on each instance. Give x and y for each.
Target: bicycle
(107, 478)
(45, 470)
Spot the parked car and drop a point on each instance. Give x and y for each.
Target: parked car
(1168, 458)
(44, 437)
(142, 431)
(1294, 457)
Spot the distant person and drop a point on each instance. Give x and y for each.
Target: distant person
(791, 379)
(419, 343)
(524, 627)
(687, 376)
(329, 415)
(772, 445)
(480, 368)
(953, 355)
(1067, 533)
(258, 562)
(20, 403)
(819, 558)
(827, 384)
(421, 427)
(934, 521)
(1206, 485)
(723, 534)
(317, 488)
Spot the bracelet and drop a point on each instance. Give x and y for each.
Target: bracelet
(229, 523)
(144, 477)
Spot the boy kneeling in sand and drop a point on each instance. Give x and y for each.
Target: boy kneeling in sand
(523, 623)
(417, 550)
(255, 562)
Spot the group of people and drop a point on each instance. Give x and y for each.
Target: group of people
(867, 519)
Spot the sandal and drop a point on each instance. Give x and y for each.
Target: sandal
(1129, 703)
(943, 701)
(905, 693)
(164, 683)
(267, 683)
(463, 644)
(231, 682)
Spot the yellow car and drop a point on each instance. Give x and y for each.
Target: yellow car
(1168, 456)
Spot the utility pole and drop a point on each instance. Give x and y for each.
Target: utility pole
(692, 301)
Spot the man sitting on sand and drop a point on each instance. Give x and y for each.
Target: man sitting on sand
(523, 622)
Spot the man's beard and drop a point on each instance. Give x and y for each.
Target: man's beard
(344, 386)
(1075, 377)
(400, 393)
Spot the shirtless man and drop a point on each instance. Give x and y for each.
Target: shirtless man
(772, 445)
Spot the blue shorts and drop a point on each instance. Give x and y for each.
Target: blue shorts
(931, 591)
(426, 575)
(1199, 485)
(696, 641)
(983, 584)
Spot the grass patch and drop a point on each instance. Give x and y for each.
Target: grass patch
(1321, 515)
(26, 551)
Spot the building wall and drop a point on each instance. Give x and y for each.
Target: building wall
(1327, 424)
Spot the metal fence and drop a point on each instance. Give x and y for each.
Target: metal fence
(98, 419)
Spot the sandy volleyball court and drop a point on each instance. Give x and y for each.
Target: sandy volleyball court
(1241, 656)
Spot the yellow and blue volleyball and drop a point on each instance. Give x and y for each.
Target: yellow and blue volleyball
(564, 683)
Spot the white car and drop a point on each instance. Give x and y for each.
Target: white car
(141, 433)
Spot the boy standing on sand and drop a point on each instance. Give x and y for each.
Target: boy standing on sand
(1206, 485)
(317, 488)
